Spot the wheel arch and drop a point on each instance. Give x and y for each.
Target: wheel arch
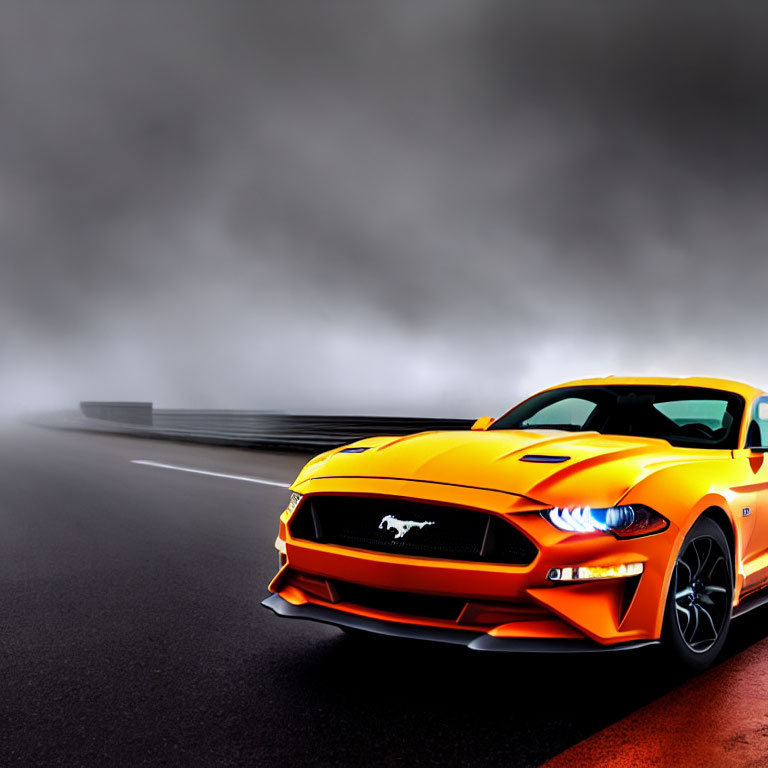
(723, 521)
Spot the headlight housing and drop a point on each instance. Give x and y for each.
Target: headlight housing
(293, 502)
(625, 522)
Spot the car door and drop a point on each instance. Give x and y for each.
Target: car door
(755, 553)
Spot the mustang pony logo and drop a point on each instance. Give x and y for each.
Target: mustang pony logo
(401, 526)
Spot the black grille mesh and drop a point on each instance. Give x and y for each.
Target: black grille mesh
(450, 533)
(408, 603)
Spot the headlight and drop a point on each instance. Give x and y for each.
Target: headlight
(625, 521)
(293, 502)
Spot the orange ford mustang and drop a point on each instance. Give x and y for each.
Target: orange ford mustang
(602, 514)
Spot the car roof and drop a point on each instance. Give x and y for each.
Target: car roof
(745, 390)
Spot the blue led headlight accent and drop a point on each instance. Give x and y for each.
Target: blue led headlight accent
(625, 521)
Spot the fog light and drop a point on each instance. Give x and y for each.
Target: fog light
(585, 572)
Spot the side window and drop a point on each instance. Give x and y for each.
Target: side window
(571, 412)
(710, 413)
(757, 437)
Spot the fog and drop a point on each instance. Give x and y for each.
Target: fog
(403, 207)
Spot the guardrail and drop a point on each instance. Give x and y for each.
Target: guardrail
(248, 429)
(126, 413)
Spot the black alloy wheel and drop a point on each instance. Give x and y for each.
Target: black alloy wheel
(700, 598)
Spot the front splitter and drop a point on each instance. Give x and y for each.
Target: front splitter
(475, 641)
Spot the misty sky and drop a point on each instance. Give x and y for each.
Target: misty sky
(407, 206)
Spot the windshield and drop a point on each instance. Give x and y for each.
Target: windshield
(684, 416)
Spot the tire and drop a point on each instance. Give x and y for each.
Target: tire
(699, 601)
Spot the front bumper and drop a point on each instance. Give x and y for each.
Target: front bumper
(601, 614)
(475, 641)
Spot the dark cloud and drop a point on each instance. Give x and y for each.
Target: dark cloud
(415, 207)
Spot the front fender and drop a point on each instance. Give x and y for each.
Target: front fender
(683, 494)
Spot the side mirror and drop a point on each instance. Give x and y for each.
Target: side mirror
(483, 423)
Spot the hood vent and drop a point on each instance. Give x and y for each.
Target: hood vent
(540, 458)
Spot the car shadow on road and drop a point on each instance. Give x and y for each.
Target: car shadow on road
(327, 698)
(382, 701)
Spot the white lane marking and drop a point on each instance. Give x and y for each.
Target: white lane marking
(244, 478)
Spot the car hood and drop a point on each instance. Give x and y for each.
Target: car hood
(592, 468)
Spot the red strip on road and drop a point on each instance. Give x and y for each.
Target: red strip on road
(718, 720)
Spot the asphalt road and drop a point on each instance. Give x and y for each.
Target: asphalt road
(131, 633)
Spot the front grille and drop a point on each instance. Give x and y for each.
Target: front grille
(407, 603)
(383, 525)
